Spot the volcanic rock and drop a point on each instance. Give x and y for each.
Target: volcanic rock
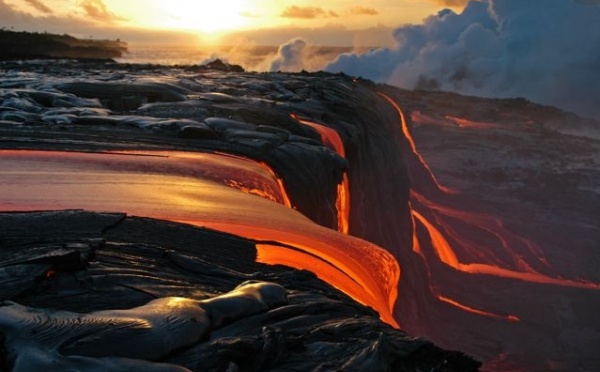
(75, 268)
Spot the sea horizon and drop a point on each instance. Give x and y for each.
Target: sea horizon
(250, 57)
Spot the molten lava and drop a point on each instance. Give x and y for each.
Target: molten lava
(196, 189)
(329, 136)
(462, 239)
(510, 318)
(413, 146)
(332, 140)
(465, 123)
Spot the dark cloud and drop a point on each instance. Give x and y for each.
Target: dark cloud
(361, 10)
(97, 10)
(37, 4)
(307, 12)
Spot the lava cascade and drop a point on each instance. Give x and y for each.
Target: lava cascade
(203, 190)
(457, 244)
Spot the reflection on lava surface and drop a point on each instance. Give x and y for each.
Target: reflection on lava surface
(196, 189)
(336, 273)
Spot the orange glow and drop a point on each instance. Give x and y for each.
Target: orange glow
(510, 318)
(342, 204)
(440, 244)
(447, 256)
(330, 273)
(329, 136)
(478, 222)
(412, 144)
(465, 123)
(492, 226)
(218, 166)
(420, 118)
(332, 140)
(282, 191)
(197, 15)
(178, 191)
(375, 272)
(469, 242)
(416, 246)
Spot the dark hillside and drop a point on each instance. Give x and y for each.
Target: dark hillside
(28, 45)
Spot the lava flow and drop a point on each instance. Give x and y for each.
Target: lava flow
(413, 146)
(332, 140)
(462, 239)
(196, 189)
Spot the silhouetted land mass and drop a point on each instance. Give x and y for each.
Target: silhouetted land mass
(31, 45)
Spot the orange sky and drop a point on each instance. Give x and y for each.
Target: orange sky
(340, 22)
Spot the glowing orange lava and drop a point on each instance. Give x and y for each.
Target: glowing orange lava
(420, 118)
(342, 204)
(465, 123)
(334, 142)
(510, 318)
(512, 256)
(282, 191)
(329, 136)
(329, 272)
(195, 189)
(413, 146)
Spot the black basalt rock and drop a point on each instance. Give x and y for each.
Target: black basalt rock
(293, 321)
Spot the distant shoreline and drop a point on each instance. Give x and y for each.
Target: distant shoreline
(23, 45)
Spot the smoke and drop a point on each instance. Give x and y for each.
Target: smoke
(547, 51)
(290, 56)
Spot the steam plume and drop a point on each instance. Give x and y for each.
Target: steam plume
(290, 56)
(547, 51)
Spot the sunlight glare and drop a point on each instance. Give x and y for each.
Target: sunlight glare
(204, 16)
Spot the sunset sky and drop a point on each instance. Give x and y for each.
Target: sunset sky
(339, 22)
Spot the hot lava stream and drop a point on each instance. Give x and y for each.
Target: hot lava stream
(480, 275)
(332, 140)
(209, 190)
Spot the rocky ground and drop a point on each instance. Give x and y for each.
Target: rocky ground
(524, 200)
(84, 262)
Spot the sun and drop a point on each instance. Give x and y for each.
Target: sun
(207, 16)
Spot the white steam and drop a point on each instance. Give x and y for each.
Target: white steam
(547, 51)
(290, 56)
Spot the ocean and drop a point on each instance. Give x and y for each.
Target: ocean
(251, 57)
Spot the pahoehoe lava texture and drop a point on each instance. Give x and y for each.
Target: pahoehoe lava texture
(66, 274)
(527, 198)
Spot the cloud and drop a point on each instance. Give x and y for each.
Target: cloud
(76, 25)
(544, 50)
(290, 56)
(361, 10)
(37, 4)
(97, 9)
(307, 12)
